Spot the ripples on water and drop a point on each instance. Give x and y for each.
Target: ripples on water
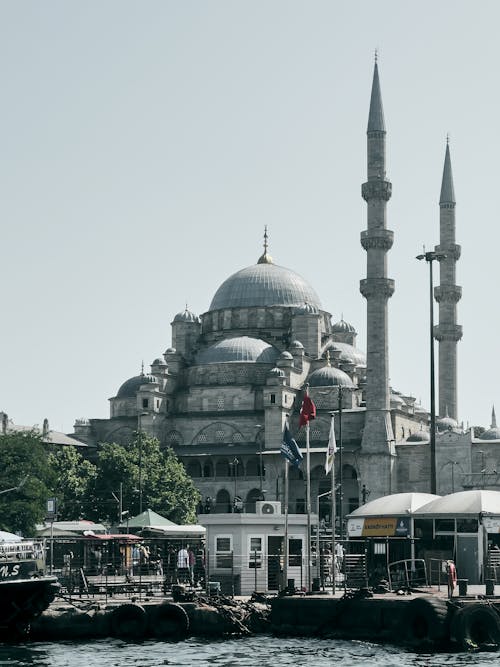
(261, 651)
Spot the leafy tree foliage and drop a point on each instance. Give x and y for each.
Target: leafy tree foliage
(74, 478)
(145, 476)
(26, 472)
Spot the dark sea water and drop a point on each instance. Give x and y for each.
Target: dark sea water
(258, 651)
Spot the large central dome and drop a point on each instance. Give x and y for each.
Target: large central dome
(264, 284)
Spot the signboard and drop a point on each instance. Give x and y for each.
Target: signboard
(51, 509)
(491, 524)
(379, 527)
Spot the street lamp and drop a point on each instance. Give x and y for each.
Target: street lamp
(259, 426)
(430, 257)
(234, 466)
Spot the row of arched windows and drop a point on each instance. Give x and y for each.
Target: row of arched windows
(225, 468)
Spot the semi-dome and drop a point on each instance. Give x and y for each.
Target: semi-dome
(418, 436)
(131, 386)
(349, 353)
(240, 349)
(187, 316)
(264, 284)
(329, 376)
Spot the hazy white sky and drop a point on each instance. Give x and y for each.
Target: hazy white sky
(144, 145)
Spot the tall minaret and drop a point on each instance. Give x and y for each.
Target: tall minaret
(377, 447)
(448, 294)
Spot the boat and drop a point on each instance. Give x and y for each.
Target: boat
(25, 589)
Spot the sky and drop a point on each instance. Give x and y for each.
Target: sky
(144, 146)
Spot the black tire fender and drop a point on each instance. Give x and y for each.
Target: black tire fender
(425, 619)
(474, 625)
(128, 621)
(169, 620)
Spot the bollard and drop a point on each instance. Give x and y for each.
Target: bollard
(490, 586)
(462, 587)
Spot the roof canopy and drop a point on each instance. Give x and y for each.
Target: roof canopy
(154, 524)
(395, 505)
(474, 502)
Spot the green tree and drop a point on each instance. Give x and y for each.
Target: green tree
(144, 473)
(74, 479)
(25, 468)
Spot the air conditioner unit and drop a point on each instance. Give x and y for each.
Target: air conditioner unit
(266, 507)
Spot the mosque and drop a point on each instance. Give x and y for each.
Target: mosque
(221, 393)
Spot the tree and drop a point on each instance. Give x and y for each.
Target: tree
(74, 478)
(26, 472)
(147, 476)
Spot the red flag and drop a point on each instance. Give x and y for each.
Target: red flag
(307, 411)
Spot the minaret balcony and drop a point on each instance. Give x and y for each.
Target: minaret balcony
(381, 239)
(448, 332)
(376, 288)
(451, 250)
(376, 189)
(448, 293)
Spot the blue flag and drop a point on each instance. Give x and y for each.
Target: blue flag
(290, 449)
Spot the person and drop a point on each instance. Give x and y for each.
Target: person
(339, 557)
(199, 568)
(182, 565)
(192, 561)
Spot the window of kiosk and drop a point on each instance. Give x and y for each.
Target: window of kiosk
(467, 526)
(223, 551)
(294, 552)
(444, 526)
(254, 552)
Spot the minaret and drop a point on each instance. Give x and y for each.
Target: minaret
(447, 294)
(378, 438)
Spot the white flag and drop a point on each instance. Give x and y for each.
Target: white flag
(331, 449)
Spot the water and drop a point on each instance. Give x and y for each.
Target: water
(261, 651)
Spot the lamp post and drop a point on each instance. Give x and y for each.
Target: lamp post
(430, 257)
(483, 469)
(259, 426)
(234, 466)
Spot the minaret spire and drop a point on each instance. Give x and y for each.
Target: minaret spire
(493, 418)
(447, 294)
(378, 438)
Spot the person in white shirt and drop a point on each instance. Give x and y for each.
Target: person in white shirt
(183, 565)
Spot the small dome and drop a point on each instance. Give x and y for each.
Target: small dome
(159, 362)
(240, 349)
(343, 327)
(329, 376)
(187, 316)
(418, 436)
(276, 372)
(446, 424)
(170, 350)
(396, 400)
(131, 386)
(296, 345)
(307, 309)
(492, 433)
(286, 355)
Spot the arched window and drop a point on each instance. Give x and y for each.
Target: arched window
(222, 468)
(193, 469)
(253, 467)
(252, 496)
(208, 469)
(222, 502)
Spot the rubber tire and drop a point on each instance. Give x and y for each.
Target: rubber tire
(169, 620)
(129, 621)
(474, 625)
(425, 620)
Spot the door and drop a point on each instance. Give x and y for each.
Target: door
(274, 562)
(467, 558)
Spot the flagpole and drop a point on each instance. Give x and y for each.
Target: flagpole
(308, 501)
(333, 513)
(285, 546)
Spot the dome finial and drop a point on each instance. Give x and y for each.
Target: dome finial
(328, 358)
(265, 258)
(376, 56)
(142, 367)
